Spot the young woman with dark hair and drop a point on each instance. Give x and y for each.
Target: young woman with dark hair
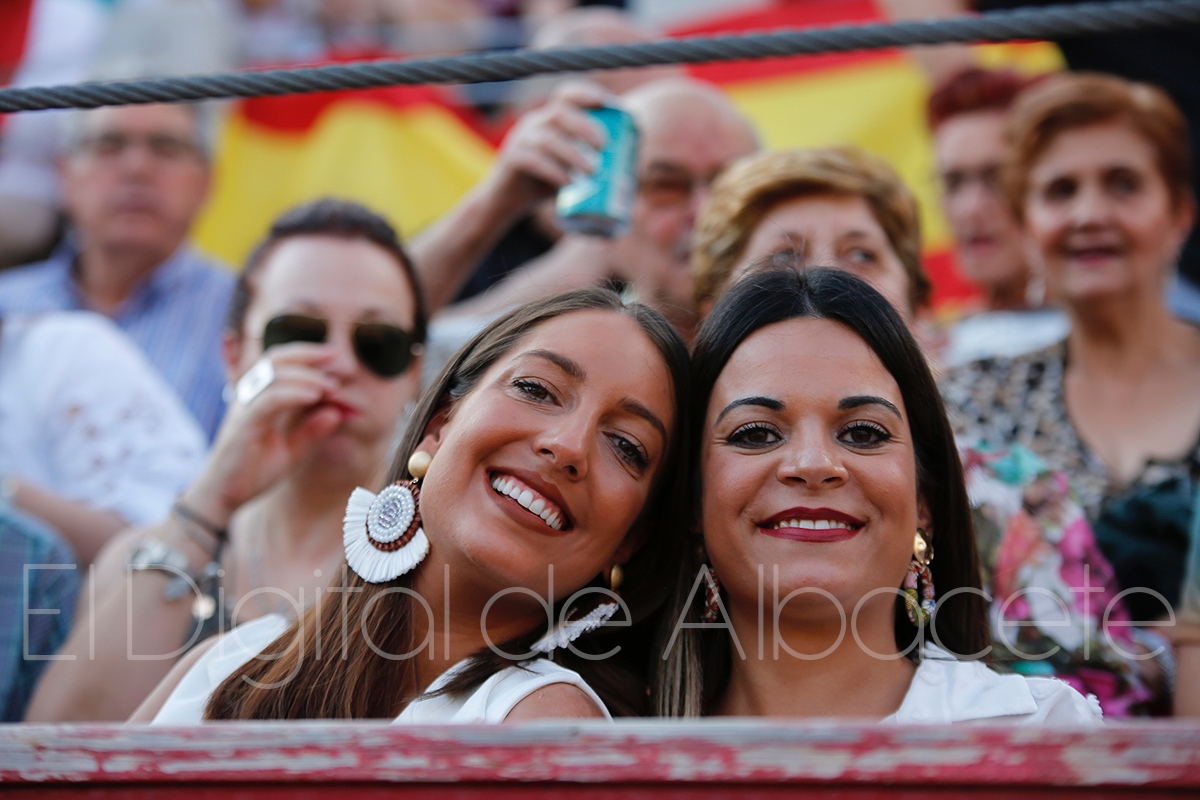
(322, 354)
(541, 457)
(828, 479)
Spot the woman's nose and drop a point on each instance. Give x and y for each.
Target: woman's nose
(342, 361)
(565, 443)
(976, 201)
(1091, 207)
(813, 459)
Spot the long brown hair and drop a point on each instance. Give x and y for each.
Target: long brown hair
(693, 675)
(321, 668)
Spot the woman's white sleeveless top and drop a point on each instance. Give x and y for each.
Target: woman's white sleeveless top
(489, 703)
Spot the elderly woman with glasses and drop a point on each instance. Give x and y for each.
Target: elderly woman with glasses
(967, 115)
(323, 336)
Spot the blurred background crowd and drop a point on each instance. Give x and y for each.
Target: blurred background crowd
(1033, 231)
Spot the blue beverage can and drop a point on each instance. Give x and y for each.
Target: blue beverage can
(601, 204)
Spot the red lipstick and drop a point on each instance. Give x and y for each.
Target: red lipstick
(825, 525)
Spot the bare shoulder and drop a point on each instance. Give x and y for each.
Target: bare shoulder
(154, 702)
(556, 701)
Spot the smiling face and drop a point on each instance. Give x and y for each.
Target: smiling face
(1101, 216)
(551, 457)
(344, 282)
(808, 464)
(832, 230)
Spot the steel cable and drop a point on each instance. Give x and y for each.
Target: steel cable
(1046, 22)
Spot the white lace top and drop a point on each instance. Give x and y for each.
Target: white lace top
(85, 416)
(490, 703)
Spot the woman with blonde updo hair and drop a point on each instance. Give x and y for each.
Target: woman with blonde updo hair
(838, 207)
(1100, 177)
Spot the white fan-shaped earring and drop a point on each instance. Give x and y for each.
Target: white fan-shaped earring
(382, 533)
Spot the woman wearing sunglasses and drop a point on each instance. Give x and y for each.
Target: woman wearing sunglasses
(532, 498)
(835, 520)
(321, 345)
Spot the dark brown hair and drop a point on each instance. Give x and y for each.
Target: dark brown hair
(1083, 99)
(694, 673)
(365, 684)
(328, 216)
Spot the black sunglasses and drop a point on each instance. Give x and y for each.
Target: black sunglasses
(385, 350)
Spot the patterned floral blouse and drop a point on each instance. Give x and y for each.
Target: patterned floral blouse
(1000, 401)
(1047, 513)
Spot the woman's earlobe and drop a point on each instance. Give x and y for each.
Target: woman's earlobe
(924, 518)
(432, 440)
(633, 541)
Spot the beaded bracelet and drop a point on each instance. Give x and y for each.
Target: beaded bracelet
(219, 534)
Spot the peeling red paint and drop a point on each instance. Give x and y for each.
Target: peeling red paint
(661, 759)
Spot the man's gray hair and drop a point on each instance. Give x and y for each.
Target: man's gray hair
(126, 67)
(205, 115)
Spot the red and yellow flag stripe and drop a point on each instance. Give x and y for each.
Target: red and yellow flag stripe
(408, 153)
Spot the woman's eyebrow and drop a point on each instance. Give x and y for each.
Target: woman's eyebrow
(859, 400)
(757, 400)
(572, 368)
(576, 371)
(639, 410)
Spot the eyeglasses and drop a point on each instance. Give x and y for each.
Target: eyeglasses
(385, 350)
(956, 180)
(161, 146)
(663, 186)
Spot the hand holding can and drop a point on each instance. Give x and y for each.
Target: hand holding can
(601, 203)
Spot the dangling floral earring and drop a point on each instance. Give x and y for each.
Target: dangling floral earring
(712, 596)
(1035, 287)
(919, 600)
(382, 533)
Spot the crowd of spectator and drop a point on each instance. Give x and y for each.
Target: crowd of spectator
(178, 441)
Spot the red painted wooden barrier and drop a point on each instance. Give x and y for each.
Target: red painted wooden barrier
(713, 760)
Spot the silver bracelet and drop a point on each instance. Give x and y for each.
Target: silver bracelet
(158, 555)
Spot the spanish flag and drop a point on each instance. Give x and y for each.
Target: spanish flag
(410, 154)
(403, 151)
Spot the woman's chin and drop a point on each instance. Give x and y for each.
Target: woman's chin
(811, 587)
(1099, 285)
(343, 455)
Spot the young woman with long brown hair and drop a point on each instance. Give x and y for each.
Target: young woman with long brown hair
(540, 458)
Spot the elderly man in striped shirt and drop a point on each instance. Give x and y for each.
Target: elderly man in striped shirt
(134, 179)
